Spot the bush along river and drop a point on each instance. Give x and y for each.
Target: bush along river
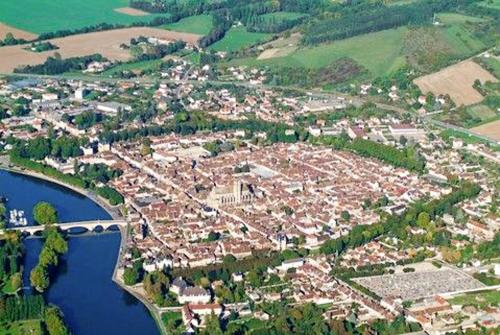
(91, 302)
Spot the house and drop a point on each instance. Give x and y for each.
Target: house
(291, 264)
(194, 295)
(406, 130)
(194, 315)
(112, 108)
(178, 285)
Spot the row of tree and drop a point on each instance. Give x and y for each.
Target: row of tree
(55, 246)
(57, 65)
(365, 17)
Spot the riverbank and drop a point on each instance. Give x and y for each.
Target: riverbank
(117, 278)
(115, 214)
(113, 211)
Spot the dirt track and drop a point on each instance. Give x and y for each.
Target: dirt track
(107, 43)
(18, 33)
(456, 80)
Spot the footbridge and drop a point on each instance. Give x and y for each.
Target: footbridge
(89, 225)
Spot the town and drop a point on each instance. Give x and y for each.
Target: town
(222, 222)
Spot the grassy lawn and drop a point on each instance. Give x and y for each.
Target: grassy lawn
(251, 323)
(199, 24)
(173, 322)
(40, 16)
(237, 38)
(480, 299)
(378, 52)
(32, 327)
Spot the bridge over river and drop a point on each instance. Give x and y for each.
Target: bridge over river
(89, 225)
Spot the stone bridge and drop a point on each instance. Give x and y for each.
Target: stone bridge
(89, 225)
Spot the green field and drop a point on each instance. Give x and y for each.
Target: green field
(462, 41)
(493, 65)
(490, 4)
(452, 18)
(199, 24)
(40, 16)
(237, 38)
(378, 52)
(480, 299)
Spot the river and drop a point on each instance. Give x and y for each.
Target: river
(91, 302)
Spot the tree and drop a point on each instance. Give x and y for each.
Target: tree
(44, 213)
(48, 257)
(423, 220)
(39, 278)
(345, 215)
(56, 242)
(213, 326)
(54, 322)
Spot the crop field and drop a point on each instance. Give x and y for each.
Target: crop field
(106, 43)
(457, 81)
(490, 129)
(199, 24)
(378, 52)
(238, 38)
(17, 33)
(38, 16)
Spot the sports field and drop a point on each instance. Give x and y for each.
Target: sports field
(237, 38)
(38, 16)
(199, 24)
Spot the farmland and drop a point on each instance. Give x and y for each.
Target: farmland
(17, 33)
(491, 129)
(457, 81)
(106, 43)
(237, 38)
(38, 16)
(199, 24)
(378, 52)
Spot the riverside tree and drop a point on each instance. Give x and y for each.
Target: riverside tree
(44, 213)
